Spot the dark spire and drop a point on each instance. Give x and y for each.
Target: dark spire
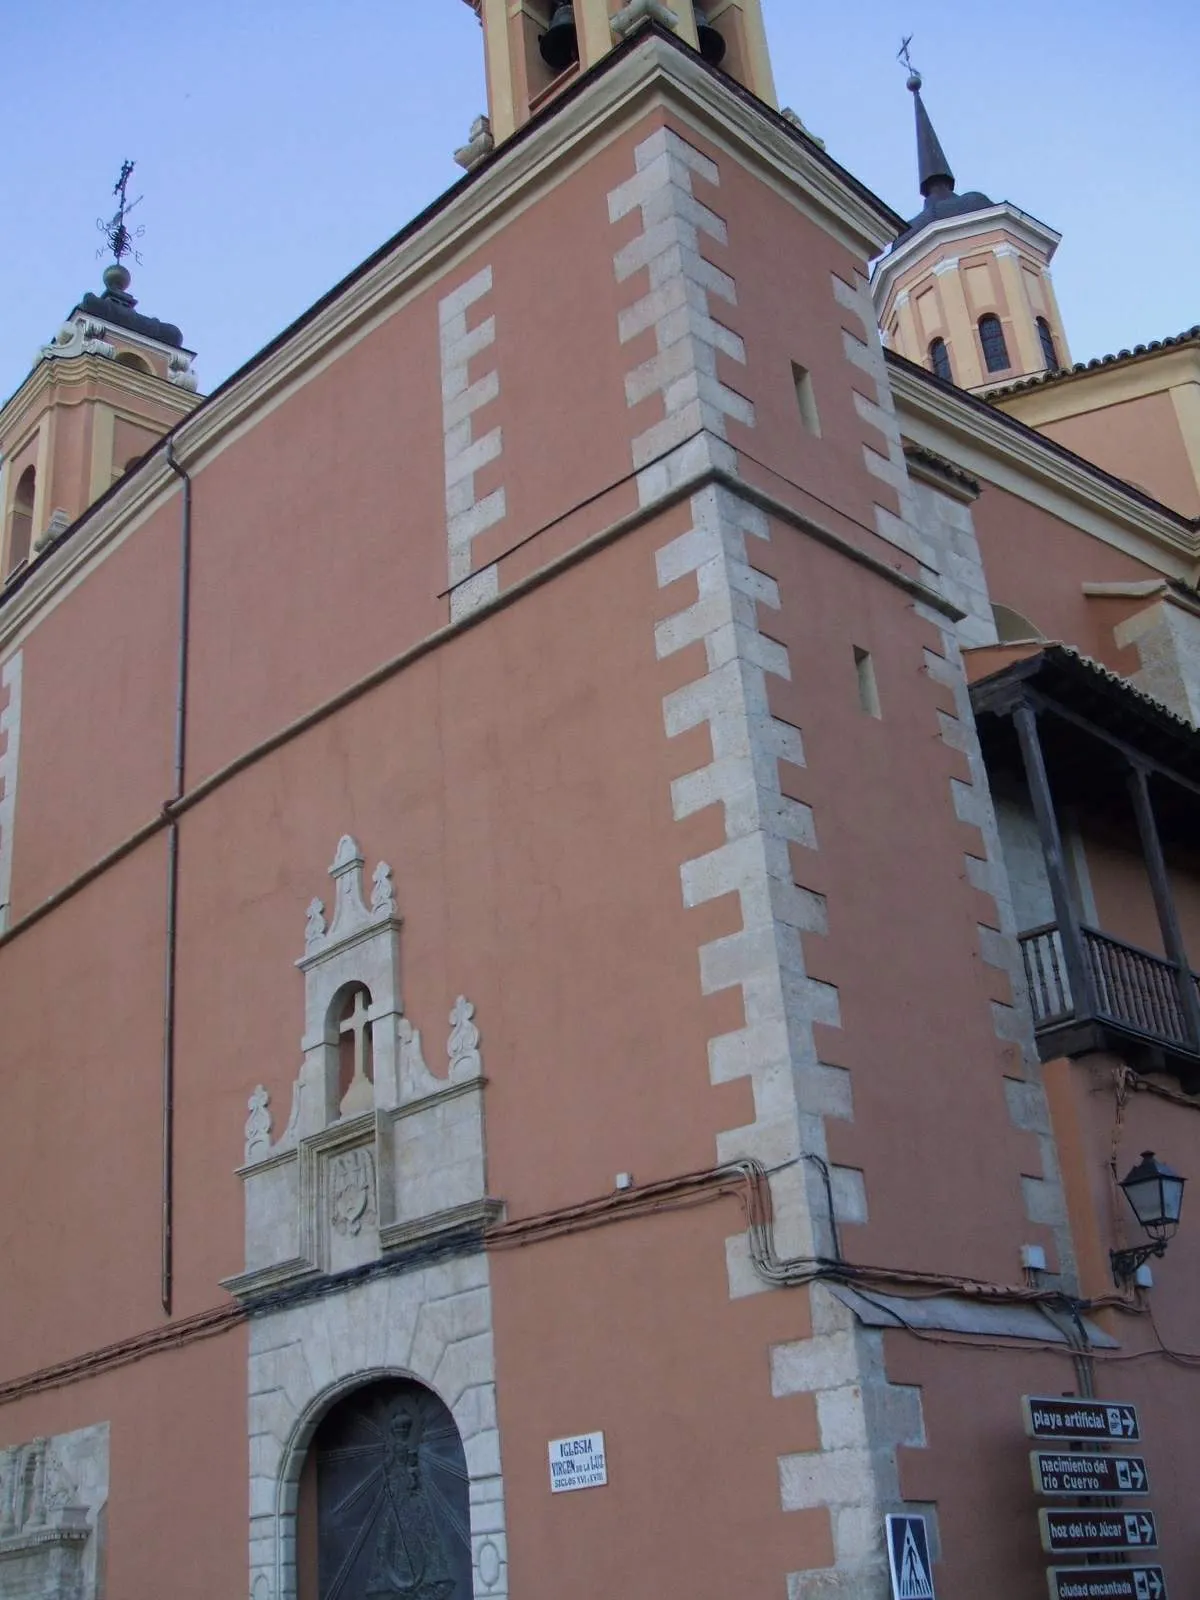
(934, 170)
(936, 178)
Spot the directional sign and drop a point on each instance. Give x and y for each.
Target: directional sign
(1076, 1531)
(1086, 1474)
(1107, 1583)
(908, 1555)
(1079, 1419)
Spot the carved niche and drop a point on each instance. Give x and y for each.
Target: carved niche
(52, 1498)
(378, 1152)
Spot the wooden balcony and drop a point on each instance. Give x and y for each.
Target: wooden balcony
(1133, 1000)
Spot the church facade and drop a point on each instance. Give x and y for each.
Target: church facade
(596, 883)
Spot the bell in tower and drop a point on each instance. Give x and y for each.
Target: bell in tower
(536, 48)
(712, 43)
(560, 42)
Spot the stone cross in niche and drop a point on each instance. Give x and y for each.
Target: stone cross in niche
(356, 1024)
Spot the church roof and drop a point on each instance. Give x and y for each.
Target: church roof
(118, 306)
(1172, 341)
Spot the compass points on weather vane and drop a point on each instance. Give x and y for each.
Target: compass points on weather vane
(119, 236)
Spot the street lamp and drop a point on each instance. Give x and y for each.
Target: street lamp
(1155, 1193)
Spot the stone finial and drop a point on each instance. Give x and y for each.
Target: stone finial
(314, 924)
(180, 371)
(638, 11)
(479, 145)
(345, 869)
(351, 913)
(258, 1124)
(59, 522)
(383, 891)
(793, 117)
(462, 1047)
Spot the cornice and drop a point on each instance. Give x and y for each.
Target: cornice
(1006, 217)
(929, 467)
(35, 395)
(1000, 450)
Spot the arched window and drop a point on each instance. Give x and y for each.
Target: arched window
(130, 358)
(991, 337)
(21, 536)
(392, 1511)
(939, 360)
(1049, 353)
(351, 1025)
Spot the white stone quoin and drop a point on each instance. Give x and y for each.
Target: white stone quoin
(379, 1157)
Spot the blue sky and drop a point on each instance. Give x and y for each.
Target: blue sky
(279, 142)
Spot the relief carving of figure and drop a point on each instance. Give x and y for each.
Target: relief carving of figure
(410, 1561)
(393, 1506)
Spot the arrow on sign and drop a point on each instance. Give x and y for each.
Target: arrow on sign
(1107, 1583)
(1129, 1472)
(1139, 1529)
(1122, 1422)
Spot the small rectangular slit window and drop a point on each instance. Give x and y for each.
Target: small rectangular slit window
(806, 400)
(868, 688)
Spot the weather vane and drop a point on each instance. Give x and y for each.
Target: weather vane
(117, 232)
(902, 55)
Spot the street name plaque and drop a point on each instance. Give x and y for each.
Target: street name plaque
(1078, 1532)
(1107, 1583)
(1079, 1419)
(1068, 1473)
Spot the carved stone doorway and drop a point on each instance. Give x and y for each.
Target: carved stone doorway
(393, 1507)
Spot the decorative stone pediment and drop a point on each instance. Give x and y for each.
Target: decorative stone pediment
(85, 336)
(379, 1151)
(52, 1498)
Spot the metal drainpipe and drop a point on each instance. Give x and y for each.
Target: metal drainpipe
(177, 787)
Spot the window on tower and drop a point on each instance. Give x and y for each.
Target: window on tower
(21, 535)
(995, 350)
(1049, 351)
(939, 360)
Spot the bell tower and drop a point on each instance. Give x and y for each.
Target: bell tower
(965, 290)
(535, 48)
(109, 384)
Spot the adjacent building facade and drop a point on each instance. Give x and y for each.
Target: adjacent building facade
(591, 859)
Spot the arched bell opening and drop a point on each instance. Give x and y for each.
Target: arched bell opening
(135, 362)
(21, 533)
(383, 1503)
(349, 1031)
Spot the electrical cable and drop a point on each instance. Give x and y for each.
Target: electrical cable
(747, 1180)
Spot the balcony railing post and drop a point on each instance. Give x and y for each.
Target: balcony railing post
(1074, 959)
(1164, 901)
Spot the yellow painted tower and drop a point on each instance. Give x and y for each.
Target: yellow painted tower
(966, 290)
(536, 48)
(109, 384)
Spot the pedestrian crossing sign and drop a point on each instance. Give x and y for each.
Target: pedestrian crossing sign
(908, 1556)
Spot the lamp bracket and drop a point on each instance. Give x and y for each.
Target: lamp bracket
(1125, 1263)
